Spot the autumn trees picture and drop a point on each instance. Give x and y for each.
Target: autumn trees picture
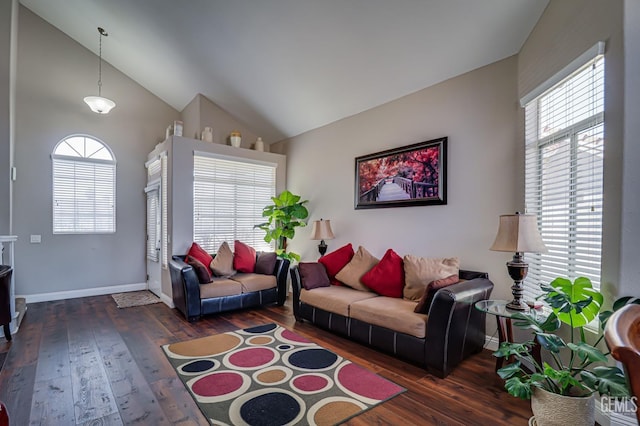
(411, 175)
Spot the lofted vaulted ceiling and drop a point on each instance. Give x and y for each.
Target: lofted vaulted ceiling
(288, 66)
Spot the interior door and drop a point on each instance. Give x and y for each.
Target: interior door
(154, 242)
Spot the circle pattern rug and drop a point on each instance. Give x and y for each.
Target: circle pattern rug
(268, 375)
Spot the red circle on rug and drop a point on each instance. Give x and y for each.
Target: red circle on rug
(217, 384)
(251, 357)
(364, 383)
(310, 383)
(289, 335)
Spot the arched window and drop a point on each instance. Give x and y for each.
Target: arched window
(84, 186)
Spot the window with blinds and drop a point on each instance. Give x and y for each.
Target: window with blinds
(228, 198)
(84, 183)
(165, 211)
(564, 136)
(153, 224)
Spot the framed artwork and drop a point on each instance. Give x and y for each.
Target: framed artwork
(413, 175)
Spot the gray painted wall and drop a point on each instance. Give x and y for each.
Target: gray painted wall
(54, 75)
(478, 112)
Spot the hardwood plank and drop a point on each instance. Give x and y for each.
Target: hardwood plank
(52, 402)
(176, 402)
(16, 391)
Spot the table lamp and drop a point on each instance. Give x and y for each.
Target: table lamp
(518, 233)
(322, 231)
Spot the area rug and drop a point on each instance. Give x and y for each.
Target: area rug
(135, 298)
(268, 375)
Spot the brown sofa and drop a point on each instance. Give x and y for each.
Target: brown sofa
(450, 332)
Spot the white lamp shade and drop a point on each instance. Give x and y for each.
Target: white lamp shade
(99, 104)
(518, 233)
(322, 230)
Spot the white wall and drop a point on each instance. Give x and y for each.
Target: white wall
(479, 114)
(54, 74)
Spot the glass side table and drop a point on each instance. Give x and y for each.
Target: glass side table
(503, 315)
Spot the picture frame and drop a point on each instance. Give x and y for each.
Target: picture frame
(412, 175)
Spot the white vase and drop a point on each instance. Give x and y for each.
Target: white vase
(259, 145)
(207, 134)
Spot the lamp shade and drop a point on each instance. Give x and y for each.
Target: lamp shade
(518, 233)
(322, 230)
(99, 104)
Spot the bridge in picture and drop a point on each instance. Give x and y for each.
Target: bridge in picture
(397, 188)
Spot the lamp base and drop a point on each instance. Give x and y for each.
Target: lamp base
(322, 247)
(518, 269)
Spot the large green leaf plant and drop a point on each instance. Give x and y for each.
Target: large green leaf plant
(574, 367)
(283, 217)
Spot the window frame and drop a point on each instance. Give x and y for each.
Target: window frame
(83, 160)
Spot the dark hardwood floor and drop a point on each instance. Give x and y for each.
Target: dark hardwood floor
(84, 361)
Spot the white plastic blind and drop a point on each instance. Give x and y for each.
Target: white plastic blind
(83, 197)
(228, 198)
(153, 235)
(564, 136)
(165, 212)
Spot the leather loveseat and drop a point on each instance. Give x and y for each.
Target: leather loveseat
(244, 290)
(451, 331)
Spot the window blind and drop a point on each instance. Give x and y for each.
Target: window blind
(83, 196)
(228, 198)
(153, 235)
(165, 211)
(564, 137)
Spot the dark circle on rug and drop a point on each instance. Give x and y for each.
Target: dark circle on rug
(363, 384)
(270, 409)
(198, 366)
(284, 347)
(261, 328)
(312, 358)
(251, 357)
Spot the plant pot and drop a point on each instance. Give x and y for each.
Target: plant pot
(551, 409)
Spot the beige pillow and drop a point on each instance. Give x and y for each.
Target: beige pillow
(360, 264)
(222, 263)
(420, 271)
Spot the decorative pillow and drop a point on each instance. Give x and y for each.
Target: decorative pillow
(199, 253)
(336, 260)
(244, 258)
(266, 263)
(313, 275)
(387, 277)
(222, 264)
(360, 264)
(202, 272)
(420, 271)
(423, 305)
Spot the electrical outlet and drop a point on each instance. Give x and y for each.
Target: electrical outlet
(36, 239)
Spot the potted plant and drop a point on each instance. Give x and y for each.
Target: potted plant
(573, 370)
(283, 217)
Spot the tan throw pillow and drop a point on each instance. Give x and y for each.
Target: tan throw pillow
(420, 271)
(222, 263)
(360, 264)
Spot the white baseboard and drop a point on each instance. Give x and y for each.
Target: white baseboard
(85, 292)
(491, 343)
(167, 300)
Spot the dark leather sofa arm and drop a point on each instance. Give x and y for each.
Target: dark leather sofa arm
(281, 272)
(185, 287)
(296, 284)
(455, 328)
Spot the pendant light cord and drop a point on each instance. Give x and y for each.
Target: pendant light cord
(102, 33)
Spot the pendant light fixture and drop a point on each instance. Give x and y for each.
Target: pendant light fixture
(98, 103)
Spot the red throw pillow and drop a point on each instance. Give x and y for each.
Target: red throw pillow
(199, 254)
(336, 260)
(313, 275)
(429, 293)
(244, 257)
(387, 277)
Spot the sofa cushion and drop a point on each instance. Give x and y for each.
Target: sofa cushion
(360, 264)
(202, 272)
(222, 264)
(336, 260)
(425, 301)
(420, 271)
(197, 252)
(220, 287)
(334, 299)
(387, 277)
(266, 263)
(255, 282)
(244, 257)
(392, 313)
(313, 275)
